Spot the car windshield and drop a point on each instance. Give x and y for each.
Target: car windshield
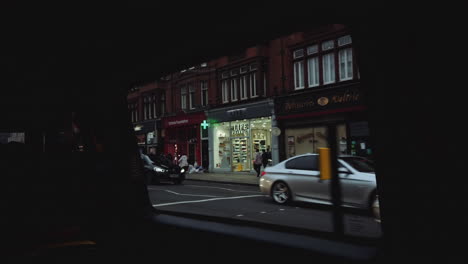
(360, 164)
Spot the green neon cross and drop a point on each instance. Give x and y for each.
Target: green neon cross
(205, 124)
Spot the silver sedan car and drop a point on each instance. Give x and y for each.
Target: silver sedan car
(298, 179)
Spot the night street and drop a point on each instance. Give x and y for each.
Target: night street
(246, 202)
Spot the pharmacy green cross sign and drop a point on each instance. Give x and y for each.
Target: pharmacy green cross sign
(205, 124)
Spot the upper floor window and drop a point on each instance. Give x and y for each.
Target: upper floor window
(191, 96)
(327, 45)
(298, 54)
(183, 97)
(253, 85)
(312, 49)
(344, 40)
(253, 66)
(328, 61)
(244, 69)
(346, 64)
(225, 91)
(299, 75)
(204, 93)
(133, 107)
(234, 90)
(323, 63)
(313, 71)
(243, 87)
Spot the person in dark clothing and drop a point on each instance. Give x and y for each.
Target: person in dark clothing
(266, 155)
(258, 162)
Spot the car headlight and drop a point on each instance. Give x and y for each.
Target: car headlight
(182, 170)
(157, 169)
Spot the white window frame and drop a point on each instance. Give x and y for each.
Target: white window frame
(344, 40)
(183, 97)
(313, 72)
(225, 91)
(204, 93)
(233, 85)
(253, 85)
(298, 75)
(191, 93)
(347, 56)
(243, 88)
(298, 53)
(328, 69)
(328, 45)
(313, 49)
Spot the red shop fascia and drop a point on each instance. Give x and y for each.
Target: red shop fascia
(182, 135)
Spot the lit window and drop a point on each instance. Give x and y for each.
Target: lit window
(299, 75)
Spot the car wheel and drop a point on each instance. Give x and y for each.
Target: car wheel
(281, 193)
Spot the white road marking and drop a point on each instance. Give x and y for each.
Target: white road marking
(281, 209)
(184, 194)
(263, 212)
(206, 200)
(201, 186)
(240, 215)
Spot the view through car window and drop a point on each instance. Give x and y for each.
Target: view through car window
(238, 136)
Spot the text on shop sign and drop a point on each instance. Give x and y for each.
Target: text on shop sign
(239, 129)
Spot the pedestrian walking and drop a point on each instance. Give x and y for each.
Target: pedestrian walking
(257, 162)
(183, 162)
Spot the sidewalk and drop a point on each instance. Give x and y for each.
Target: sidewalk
(245, 178)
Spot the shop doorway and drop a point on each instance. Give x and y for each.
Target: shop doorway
(240, 154)
(191, 153)
(205, 158)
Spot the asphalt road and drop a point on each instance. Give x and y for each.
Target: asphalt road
(246, 202)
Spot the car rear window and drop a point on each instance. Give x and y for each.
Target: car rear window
(303, 163)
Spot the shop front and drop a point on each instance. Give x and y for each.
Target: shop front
(182, 135)
(147, 135)
(304, 118)
(236, 133)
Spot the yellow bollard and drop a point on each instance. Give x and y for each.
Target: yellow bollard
(324, 163)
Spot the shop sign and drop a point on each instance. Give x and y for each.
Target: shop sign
(178, 122)
(319, 101)
(239, 130)
(237, 113)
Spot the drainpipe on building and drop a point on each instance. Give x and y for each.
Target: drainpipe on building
(283, 78)
(274, 139)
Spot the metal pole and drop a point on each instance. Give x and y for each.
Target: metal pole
(335, 182)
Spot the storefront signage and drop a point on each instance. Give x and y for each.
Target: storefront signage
(238, 113)
(184, 120)
(205, 125)
(239, 130)
(248, 111)
(178, 122)
(337, 98)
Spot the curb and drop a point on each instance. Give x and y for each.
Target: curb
(225, 182)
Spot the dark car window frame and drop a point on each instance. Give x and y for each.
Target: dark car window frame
(292, 164)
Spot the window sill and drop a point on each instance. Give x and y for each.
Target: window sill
(315, 245)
